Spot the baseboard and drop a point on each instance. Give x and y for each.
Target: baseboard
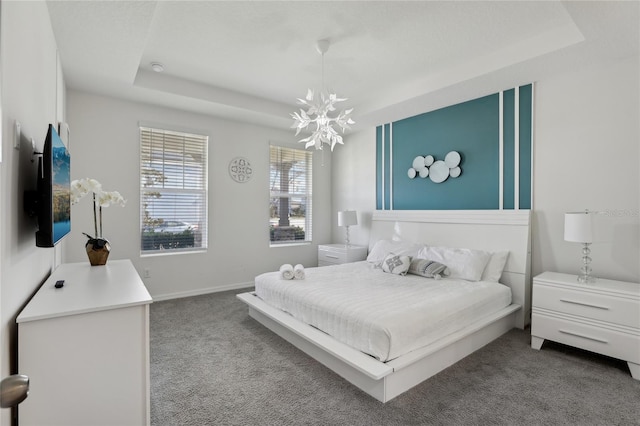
(201, 291)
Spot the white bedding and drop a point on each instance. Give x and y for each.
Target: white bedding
(381, 314)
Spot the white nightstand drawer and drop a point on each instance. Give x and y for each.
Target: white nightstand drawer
(593, 338)
(589, 305)
(331, 256)
(335, 254)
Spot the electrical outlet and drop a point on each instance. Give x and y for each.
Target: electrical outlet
(17, 134)
(147, 273)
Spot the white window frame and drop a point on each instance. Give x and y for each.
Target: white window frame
(196, 186)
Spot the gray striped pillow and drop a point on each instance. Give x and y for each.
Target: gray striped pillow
(428, 268)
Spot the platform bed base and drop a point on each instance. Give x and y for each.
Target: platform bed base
(383, 381)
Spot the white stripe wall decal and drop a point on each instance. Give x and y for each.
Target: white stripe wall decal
(516, 150)
(533, 87)
(390, 166)
(382, 181)
(501, 154)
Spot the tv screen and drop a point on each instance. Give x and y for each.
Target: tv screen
(60, 186)
(51, 202)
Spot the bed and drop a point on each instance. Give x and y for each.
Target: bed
(380, 369)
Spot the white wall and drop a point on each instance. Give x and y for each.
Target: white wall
(29, 82)
(105, 146)
(586, 139)
(354, 184)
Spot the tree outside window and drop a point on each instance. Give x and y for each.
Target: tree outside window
(290, 195)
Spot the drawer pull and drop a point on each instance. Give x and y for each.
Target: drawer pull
(573, 333)
(585, 304)
(332, 257)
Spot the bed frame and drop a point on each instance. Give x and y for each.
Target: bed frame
(492, 230)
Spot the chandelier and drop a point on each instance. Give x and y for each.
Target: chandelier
(316, 109)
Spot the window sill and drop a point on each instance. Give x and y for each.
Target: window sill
(301, 243)
(172, 252)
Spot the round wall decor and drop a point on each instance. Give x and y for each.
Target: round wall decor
(240, 169)
(439, 172)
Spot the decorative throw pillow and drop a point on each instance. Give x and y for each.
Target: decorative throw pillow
(428, 268)
(467, 264)
(396, 264)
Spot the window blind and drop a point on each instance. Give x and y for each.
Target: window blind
(290, 201)
(173, 191)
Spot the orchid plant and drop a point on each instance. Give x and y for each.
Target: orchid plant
(101, 198)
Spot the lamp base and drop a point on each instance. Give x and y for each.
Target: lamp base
(585, 276)
(347, 244)
(586, 279)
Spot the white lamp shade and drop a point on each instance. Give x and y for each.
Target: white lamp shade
(347, 218)
(578, 227)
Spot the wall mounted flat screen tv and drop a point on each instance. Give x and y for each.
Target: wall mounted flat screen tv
(51, 201)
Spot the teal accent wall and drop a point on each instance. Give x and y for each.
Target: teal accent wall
(469, 128)
(473, 129)
(509, 171)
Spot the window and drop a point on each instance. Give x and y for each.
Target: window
(290, 195)
(173, 191)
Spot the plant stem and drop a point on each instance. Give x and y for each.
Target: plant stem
(100, 221)
(95, 220)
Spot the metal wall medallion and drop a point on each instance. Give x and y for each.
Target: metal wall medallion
(240, 169)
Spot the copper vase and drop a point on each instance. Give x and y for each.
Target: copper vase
(98, 251)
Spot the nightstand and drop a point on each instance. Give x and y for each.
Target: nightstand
(602, 317)
(336, 254)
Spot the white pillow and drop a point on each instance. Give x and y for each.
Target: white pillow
(463, 263)
(396, 264)
(494, 268)
(382, 248)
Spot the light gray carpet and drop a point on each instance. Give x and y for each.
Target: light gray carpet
(211, 364)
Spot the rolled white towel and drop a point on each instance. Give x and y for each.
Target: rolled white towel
(298, 272)
(286, 271)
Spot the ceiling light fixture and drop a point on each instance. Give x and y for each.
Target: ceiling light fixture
(157, 66)
(317, 111)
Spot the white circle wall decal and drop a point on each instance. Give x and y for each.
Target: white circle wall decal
(439, 172)
(411, 173)
(418, 162)
(424, 173)
(428, 160)
(455, 172)
(452, 159)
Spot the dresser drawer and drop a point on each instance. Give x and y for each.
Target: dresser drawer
(589, 305)
(617, 344)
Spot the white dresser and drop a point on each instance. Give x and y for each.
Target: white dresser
(335, 254)
(85, 348)
(602, 317)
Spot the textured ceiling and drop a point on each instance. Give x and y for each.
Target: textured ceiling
(250, 60)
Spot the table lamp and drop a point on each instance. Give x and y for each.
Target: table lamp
(578, 228)
(347, 218)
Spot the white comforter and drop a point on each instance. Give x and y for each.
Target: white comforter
(381, 314)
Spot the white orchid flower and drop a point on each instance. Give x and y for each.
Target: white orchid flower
(106, 198)
(82, 187)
